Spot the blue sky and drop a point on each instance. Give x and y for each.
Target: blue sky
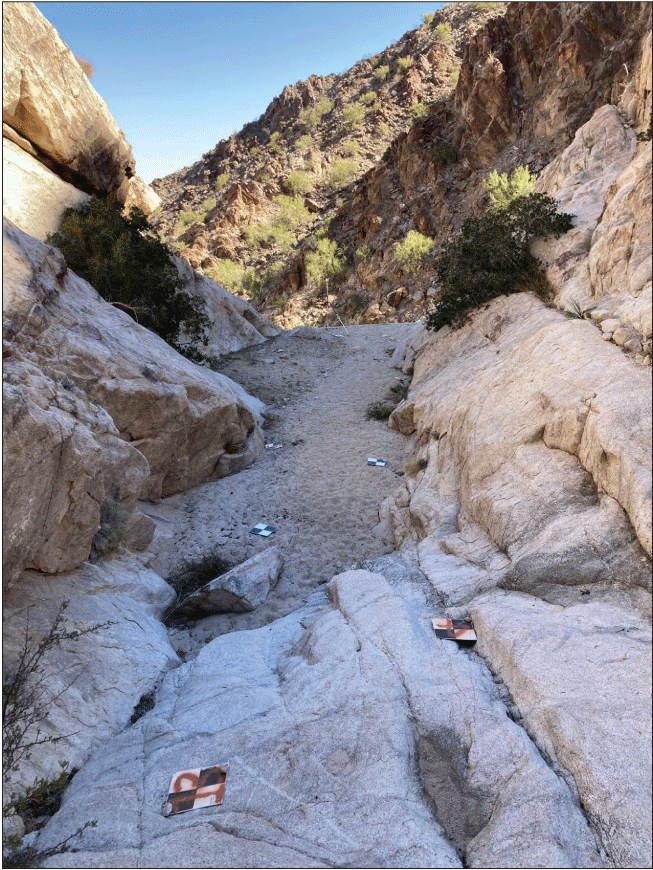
(180, 76)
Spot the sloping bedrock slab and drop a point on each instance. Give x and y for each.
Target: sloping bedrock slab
(190, 423)
(581, 678)
(89, 686)
(547, 428)
(48, 100)
(33, 197)
(234, 322)
(347, 730)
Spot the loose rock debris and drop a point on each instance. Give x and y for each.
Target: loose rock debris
(460, 630)
(193, 789)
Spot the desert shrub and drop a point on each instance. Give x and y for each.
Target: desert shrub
(381, 73)
(192, 574)
(443, 33)
(352, 116)
(362, 253)
(292, 212)
(351, 147)
(221, 182)
(412, 251)
(504, 188)
(311, 117)
(428, 17)
(379, 410)
(275, 144)
(188, 217)
(86, 65)
(490, 257)
(113, 522)
(384, 130)
(208, 204)
(419, 110)
(443, 154)
(405, 63)
(283, 238)
(367, 99)
(227, 274)
(297, 183)
(342, 172)
(382, 409)
(453, 78)
(280, 301)
(131, 269)
(303, 143)
(326, 261)
(357, 302)
(258, 283)
(26, 705)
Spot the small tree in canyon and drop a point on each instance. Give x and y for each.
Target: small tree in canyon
(132, 269)
(490, 257)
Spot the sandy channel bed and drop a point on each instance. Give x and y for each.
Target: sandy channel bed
(317, 488)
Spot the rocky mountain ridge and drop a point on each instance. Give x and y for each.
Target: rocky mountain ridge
(328, 131)
(529, 77)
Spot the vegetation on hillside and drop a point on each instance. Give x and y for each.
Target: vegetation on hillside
(132, 269)
(490, 257)
(503, 188)
(412, 251)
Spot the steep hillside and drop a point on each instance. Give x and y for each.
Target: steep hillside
(407, 153)
(313, 142)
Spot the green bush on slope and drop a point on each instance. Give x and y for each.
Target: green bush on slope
(131, 269)
(491, 257)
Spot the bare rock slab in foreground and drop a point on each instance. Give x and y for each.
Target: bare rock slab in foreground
(239, 590)
(355, 738)
(91, 685)
(581, 677)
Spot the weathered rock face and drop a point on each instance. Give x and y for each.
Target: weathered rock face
(367, 742)
(48, 100)
(107, 408)
(60, 141)
(581, 679)
(553, 72)
(603, 265)
(90, 686)
(33, 197)
(534, 413)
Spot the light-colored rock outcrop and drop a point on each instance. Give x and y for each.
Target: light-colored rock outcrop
(354, 738)
(91, 685)
(108, 409)
(234, 322)
(581, 678)
(48, 100)
(620, 256)
(604, 180)
(239, 590)
(544, 444)
(33, 197)
(135, 193)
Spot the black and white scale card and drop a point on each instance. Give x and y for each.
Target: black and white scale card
(381, 463)
(263, 530)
